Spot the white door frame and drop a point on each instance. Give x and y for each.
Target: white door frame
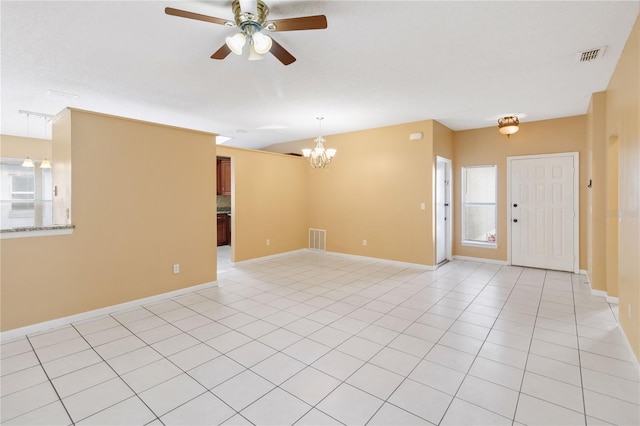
(576, 202)
(449, 208)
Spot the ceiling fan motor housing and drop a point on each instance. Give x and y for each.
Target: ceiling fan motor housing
(243, 19)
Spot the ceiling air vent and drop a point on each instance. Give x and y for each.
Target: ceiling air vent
(591, 54)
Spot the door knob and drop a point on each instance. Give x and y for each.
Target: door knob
(515, 205)
(515, 220)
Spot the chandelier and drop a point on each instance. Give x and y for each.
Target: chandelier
(319, 157)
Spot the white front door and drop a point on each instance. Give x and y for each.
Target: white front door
(443, 243)
(544, 211)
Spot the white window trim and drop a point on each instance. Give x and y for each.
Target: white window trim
(472, 243)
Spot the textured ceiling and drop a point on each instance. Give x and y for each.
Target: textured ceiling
(378, 63)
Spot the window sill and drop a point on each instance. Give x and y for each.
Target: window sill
(479, 244)
(36, 231)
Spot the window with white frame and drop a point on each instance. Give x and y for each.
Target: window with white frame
(26, 194)
(479, 205)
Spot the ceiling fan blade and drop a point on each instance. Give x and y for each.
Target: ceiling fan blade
(221, 53)
(316, 22)
(196, 16)
(281, 53)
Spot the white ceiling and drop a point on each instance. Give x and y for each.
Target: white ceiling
(378, 63)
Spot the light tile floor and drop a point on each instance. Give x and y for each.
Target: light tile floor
(224, 258)
(314, 339)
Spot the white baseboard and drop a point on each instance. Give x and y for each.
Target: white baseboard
(480, 260)
(614, 300)
(598, 293)
(271, 256)
(634, 359)
(376, 259)
(601, 293)
(59, 322)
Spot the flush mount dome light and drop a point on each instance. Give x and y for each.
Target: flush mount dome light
(508, 125)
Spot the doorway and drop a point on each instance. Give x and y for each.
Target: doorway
(543, 211)
(443, 210)
(224, 193)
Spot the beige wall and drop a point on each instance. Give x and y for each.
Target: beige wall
(19, 147)
(268, 201)
(143, 199)
(487, 146)
(596, 171)
(373, 190)
(442, 147)
(623, 133)
(610, 213)
(62, 169)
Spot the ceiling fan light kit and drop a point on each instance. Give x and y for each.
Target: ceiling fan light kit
(251, 28)
(261, 43)
(508, 125)
(236, 43)
(253, 55)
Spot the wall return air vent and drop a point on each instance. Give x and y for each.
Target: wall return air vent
(591, 54)
(317, 239)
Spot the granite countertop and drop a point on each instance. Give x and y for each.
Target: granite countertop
(38, 228)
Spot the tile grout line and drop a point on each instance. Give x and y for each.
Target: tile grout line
(480, 349)
(50, 382)
(222, 354)
(151, 347)
(335, 348)
(434, 345)
(315, 406)
(117, 375)
(553, 359)
(535, 321)
(575, 317)
(207, 390)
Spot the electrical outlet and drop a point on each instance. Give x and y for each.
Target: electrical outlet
(364, 242)
(423, 206)
(268, 242)
(176, 268)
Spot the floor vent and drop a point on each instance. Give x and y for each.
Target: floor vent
(591, 55)
(318, 239)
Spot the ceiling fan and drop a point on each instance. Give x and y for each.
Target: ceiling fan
(251, 18)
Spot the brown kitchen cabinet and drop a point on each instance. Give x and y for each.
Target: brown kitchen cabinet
(224, 229)
(223, 171)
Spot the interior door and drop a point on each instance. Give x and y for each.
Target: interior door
(544, 211)
(442, 209)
